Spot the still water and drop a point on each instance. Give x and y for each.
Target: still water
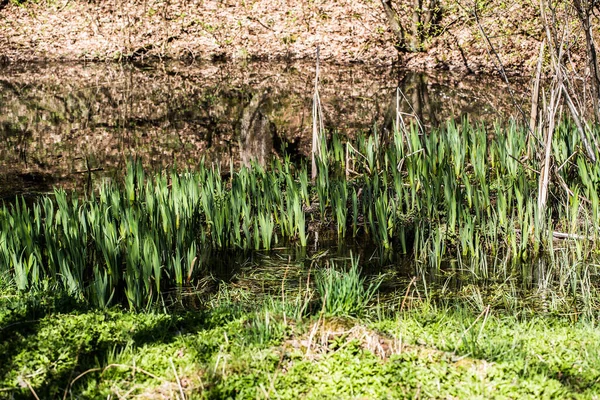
(62, 123)
(70, 124)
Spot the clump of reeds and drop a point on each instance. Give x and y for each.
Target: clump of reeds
(459, 191)
(344, 293)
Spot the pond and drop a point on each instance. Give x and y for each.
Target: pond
(59, 122)
(70, 125)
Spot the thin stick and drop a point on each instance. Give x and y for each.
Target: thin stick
(563, 235)
(191, 270)
(77, 378)
(315, 115)
(523, 164)
(400, 125)
(407, 291)
(563, 184)
(545, 174)
(536, 88)
(287, 267)
(567, 160)
(136, 369)
(347, 165)
(484, 312)
(31, 389)
(577, 120)
(414, 114)
(545, 171)
(71, 376)
(397, 109)
(535, 98)
(307, 290)
(487, 312)
(177, 378)
(313, 331)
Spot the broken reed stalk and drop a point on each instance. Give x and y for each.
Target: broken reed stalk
(317, 123)
(398, 116)
(555, 95)
(564, 235)
(400, 125)
(545, 170)
(556, 56)
(560, 72)
(535, 98)
(414, 114)
(536, 88)
(577, 120)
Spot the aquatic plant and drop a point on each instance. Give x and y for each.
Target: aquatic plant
(344, 293)
(460, 190)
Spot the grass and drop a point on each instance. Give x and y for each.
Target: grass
(237, 345)
(343, 293)
(111, 293)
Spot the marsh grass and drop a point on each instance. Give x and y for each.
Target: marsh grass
(463, 191)
(344, 293)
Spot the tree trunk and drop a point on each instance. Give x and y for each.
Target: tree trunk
(415, 40)
(584, 12)
(394, 23)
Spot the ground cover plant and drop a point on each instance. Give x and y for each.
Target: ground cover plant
(241, 343)
(110, 293)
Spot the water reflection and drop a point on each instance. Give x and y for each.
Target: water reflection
(500, 283)
(256, 131)
(61, 123)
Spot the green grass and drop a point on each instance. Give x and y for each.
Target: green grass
(452, 194)
(235, 346)
(344, 293)
(270, 334)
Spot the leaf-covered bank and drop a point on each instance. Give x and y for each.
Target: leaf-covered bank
(345, 31)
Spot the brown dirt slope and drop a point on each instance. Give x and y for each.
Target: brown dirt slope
(345, 30)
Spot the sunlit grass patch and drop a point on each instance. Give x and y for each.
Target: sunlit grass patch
(344, 293)
(262, 349)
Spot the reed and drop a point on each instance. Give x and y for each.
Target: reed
(452, 191)
(344, 293)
